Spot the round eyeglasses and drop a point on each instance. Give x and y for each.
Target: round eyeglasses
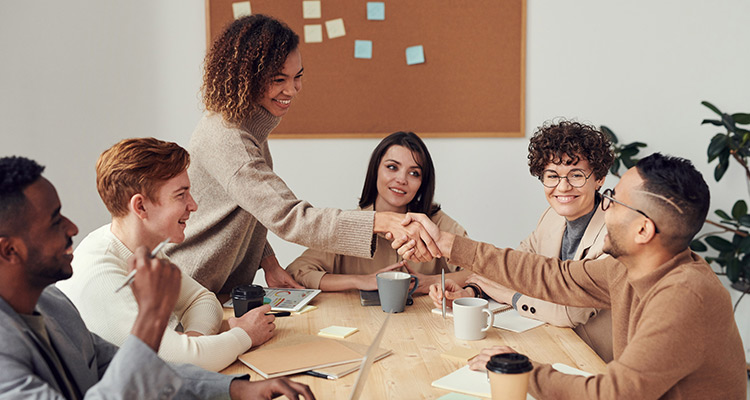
(576, 178)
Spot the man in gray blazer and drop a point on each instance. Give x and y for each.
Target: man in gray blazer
(46, 350)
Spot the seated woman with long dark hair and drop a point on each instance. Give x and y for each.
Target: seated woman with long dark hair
(400, 178)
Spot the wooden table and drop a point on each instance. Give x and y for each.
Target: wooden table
(417, 338)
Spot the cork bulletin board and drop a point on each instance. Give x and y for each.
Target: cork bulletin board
(471, 83)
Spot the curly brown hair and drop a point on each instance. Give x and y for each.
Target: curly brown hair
(242, 62)
(551, 142)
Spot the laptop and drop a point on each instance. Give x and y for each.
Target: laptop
(370, 357)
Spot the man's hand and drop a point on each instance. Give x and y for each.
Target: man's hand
(256, 323)
(408, 248)
(423, 244)
(452, 291)
(277, 277)
(496, 291)
(479, 363)
(156, 287)
(269, 389)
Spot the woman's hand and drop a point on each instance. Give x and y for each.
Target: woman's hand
(496, 291)
(396, 226)
(452, 291)
(370, 282)
(479, 363)
(277, 277)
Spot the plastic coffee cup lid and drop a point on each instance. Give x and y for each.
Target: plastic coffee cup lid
(247, 291)
(509, 363)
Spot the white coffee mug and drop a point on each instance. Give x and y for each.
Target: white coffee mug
(471, 318)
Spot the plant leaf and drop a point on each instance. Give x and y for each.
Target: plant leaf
(715, 122)
(697, 245)
(628, 152)
(719, 243)
(615, 166)
(720, 169)
(733, 270)
(745, 245)
(741, 118)
(629, 162)
(712, 107)
(609, 133)
(739, 210)
(722, 214)
(728, 122)
(745, 220)
(718, 144)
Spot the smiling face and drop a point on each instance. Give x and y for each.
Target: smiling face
(167, 216)
(568, 201)
(284, 86)
(399, 179)
(49, 240)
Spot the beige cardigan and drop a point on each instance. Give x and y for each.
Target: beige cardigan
(239, 197)
(674, 333)
(309, 268)
(593, 325)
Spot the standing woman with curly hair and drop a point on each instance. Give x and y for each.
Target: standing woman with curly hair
(253, 72)
(571, 160)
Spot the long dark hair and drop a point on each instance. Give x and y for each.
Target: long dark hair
(422, 201)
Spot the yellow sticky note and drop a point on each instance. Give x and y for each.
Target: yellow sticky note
(311, 9)
(337, 332)
(313, 33)
(305, 309)
(335, 28)
(241, 9)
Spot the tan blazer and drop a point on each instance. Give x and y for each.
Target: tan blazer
(593, 325)
(308, 269)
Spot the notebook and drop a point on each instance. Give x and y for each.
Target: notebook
(298, 355)
(475, 383)
(370, 358)
(337, 371)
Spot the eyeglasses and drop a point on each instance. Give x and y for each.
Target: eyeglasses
(576, 178)
(607, 200)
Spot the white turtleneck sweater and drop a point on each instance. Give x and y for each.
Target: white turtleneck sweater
(240, 197)
(100, 266)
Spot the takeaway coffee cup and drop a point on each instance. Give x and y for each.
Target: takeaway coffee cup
(245, 298)
(471, 318)
(393, 290)
(509, 376)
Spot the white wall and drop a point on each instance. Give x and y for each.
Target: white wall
(77, 76)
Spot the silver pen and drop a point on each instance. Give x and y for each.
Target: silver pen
(131, 275)
(442, 283)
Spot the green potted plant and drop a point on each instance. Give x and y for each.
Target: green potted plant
(732, 240)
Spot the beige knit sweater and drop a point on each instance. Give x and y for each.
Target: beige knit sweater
(674, 333)
(239, 197)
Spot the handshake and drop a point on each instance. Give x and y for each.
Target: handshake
(414, 235)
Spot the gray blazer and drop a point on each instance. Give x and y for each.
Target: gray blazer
(97, 368)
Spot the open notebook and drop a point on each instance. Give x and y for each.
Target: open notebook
(475, 383)
(505, 318)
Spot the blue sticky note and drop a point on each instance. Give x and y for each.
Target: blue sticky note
(414, 55)
(375, 10)
(363, 49)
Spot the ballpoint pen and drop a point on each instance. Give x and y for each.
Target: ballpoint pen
(442, 283)
(131, 275)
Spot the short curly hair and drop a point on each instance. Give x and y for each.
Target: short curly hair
(553, 141)
(16, 174)
(241, 64)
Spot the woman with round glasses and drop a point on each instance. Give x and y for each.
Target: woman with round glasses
(571, 160)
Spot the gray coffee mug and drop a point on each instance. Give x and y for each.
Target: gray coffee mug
(393, 290)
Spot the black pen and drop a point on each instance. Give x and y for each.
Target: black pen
(319, 375)
(280, 314)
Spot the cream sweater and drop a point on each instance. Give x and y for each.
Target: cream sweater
(100, 266)
(239, 197)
